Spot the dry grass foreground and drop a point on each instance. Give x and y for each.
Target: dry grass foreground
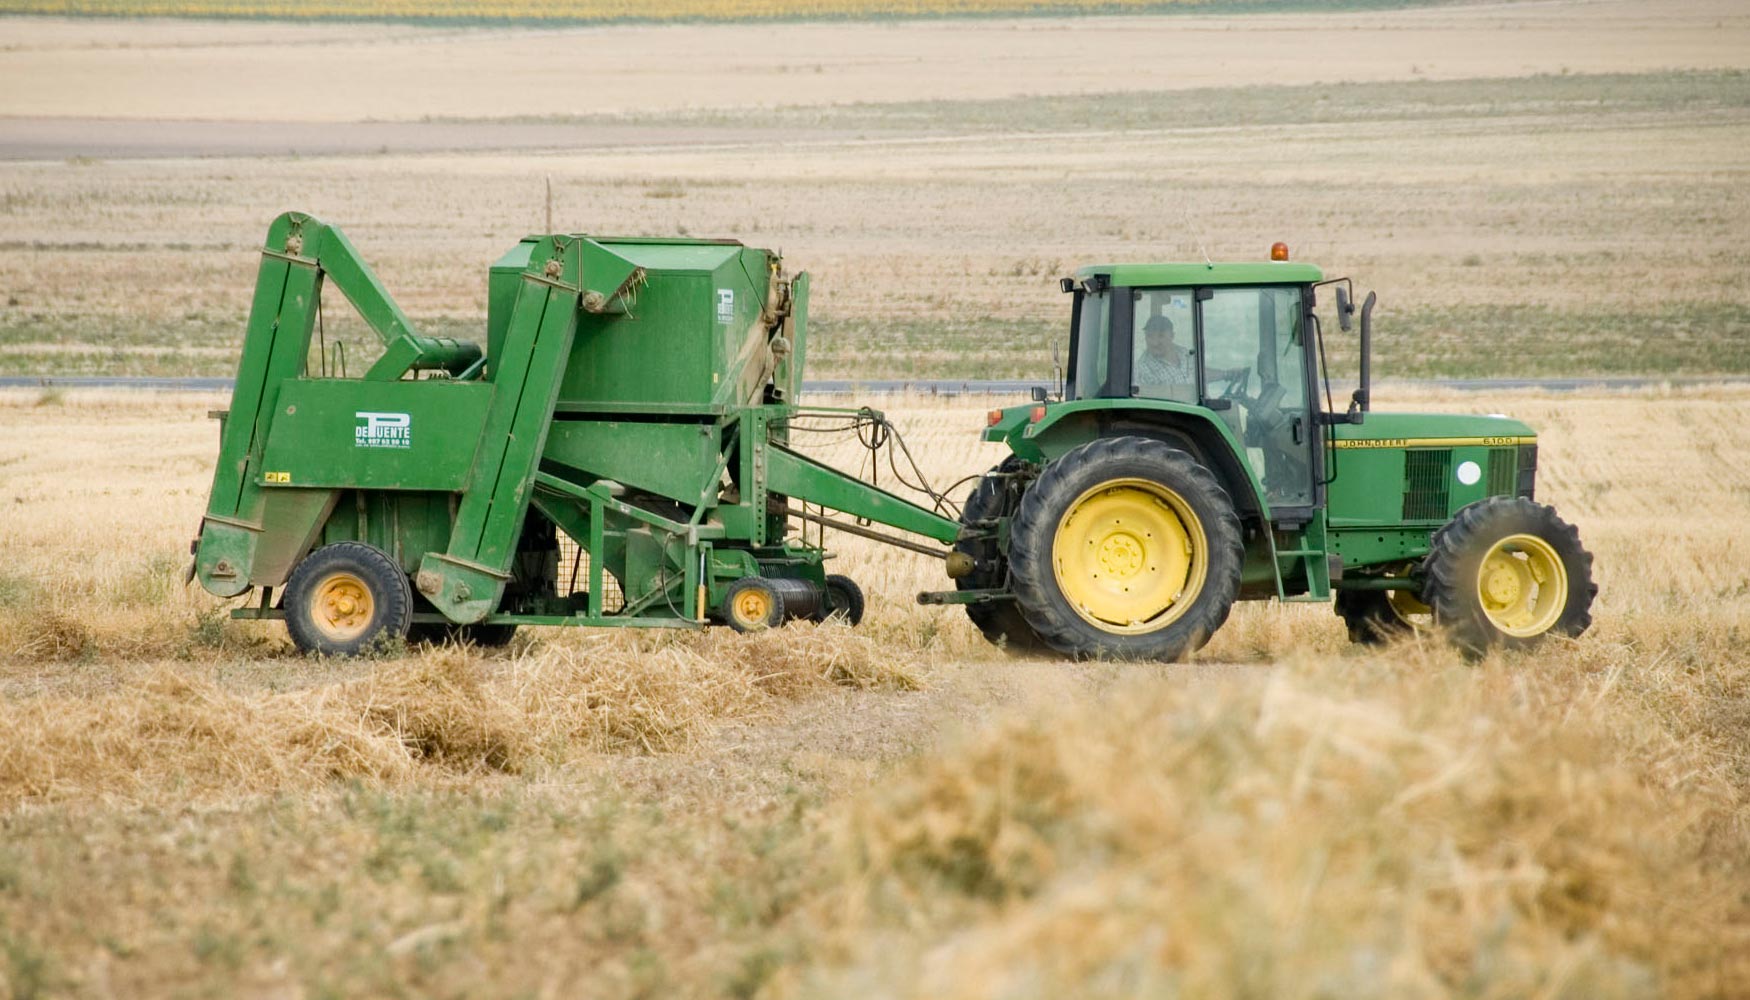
(898, 811)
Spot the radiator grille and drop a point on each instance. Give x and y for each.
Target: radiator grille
(1427, 473)
(1503, 471)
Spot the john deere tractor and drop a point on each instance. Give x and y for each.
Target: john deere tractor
(1192, 458)
(619, 453)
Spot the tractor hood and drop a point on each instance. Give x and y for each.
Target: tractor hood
(1419, 430)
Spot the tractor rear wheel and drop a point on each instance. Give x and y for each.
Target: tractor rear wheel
(347, 598)
(1001, 622)
(1126, 548)
(1507, 571)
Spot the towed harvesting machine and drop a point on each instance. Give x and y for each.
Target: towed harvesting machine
(619, 453)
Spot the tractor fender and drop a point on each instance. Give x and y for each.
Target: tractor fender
(1193, 429)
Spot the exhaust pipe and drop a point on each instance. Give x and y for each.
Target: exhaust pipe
(1363, 395)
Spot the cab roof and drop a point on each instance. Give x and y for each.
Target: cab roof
(1240, 273)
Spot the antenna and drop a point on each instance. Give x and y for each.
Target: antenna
(1185, 213)
(549, 203)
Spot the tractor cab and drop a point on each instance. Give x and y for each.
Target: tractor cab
(1234, 340)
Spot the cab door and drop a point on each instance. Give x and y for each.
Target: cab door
(1252, 350)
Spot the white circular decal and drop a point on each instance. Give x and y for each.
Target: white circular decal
(1469, 473)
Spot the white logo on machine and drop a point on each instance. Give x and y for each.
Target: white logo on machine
(1469, 473)
(725, 305)
(383, 430)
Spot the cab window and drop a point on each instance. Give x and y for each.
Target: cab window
(1163, 344)
(1092, 359)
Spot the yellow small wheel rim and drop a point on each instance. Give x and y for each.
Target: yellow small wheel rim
(342, 608)
(1522, 586)
(1407, 606)
(752, 607)
(1130, 556)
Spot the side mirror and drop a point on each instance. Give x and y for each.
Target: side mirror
(1345, 309)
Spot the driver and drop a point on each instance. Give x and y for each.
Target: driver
(1164, 362)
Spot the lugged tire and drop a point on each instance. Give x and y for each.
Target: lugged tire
(1372, 618)
(1452, 572)
(1001, 622)
(1369, 616)
(1078, 479)
(842, 594)
(351, 567)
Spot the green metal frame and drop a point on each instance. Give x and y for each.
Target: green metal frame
(636, 399)
(667, 476)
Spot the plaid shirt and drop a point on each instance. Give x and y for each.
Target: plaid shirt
(1151, 370)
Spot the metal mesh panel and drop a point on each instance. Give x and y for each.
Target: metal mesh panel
(1426, 489)
(1503, 471)
(574, 576)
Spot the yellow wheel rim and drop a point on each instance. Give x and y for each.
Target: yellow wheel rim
(752, 607)
(1522, 586)
(343, 607)
(1408, 607)
(1130, 556)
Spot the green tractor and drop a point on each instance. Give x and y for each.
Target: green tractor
(1190, 459)
(619, 453)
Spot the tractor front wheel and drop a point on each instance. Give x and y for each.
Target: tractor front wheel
(1379, 616)
(346, 598)
(1505, 572)
(1126, 548)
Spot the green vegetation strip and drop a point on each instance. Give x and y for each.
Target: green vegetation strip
(547, 12)
(1499, 341)
(1225, 107)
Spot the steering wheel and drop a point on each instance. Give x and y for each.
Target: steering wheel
(1236, 386)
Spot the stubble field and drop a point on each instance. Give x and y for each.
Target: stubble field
(899, 810)
(1533, 189)
(896, 810)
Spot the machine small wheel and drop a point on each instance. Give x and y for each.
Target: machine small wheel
(1506, 572)
(843, 596)
(479, 634)
(752, 605)
(345, 598)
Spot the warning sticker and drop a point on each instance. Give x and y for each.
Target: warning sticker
(725, 305)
